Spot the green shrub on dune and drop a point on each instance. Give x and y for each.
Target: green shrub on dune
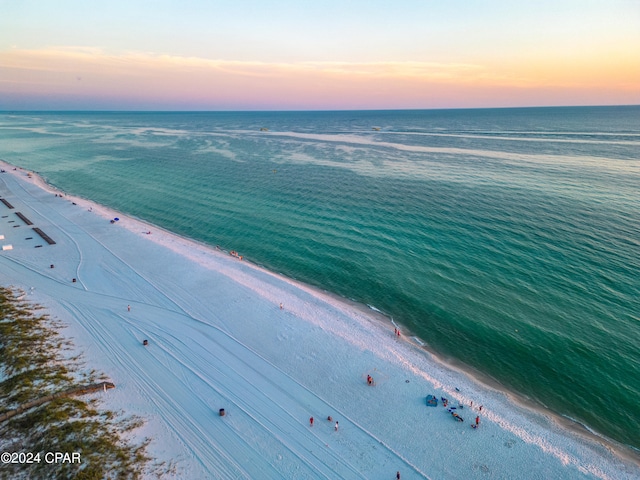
(32, 366)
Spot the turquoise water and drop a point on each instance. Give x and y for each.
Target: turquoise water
(508, 240)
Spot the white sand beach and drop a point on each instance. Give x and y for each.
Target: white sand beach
(218, 338)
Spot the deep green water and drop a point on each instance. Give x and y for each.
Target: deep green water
(508, 240)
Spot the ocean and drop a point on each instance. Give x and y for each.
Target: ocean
(506, 240)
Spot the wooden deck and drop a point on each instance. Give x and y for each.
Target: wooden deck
(44, 236)
(24, 219)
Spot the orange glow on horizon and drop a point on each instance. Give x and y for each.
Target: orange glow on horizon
(168, 81)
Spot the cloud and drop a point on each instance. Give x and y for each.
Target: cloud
(190, 82)
(71, 58)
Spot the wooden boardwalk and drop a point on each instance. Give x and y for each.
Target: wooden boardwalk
(81, 390)
(46, 237)
(24, 219)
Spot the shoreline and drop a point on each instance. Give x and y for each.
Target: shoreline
(478, 377)
(199, 253)
(385, 321)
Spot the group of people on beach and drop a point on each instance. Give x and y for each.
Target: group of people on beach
(445, 402)
(454, 411)
(329, 419)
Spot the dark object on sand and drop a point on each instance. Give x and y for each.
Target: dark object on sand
(457, 417)
(73, 281)
(222, 414)
(44, 236)
(24, 219)
(432, 401)
(145, 342)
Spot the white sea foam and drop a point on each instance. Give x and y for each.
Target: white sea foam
(541, 137)
(582, 161)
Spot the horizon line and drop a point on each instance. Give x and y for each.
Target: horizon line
(88, 110)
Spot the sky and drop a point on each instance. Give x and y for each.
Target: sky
(317, 55)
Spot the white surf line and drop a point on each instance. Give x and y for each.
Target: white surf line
(517, 139)
(496, 154)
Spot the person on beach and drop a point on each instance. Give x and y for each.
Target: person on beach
(128, 308)
(397, 475)
(329, 418)
(336, 427)
(311, 421)
(281, 306)
(369, 380)
(480, 409)
(477, 421)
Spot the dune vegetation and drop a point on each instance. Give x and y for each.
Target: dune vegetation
(33, 365)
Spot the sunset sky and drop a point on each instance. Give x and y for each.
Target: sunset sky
(320, 55)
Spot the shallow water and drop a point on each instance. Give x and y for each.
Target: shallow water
(506, 239)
